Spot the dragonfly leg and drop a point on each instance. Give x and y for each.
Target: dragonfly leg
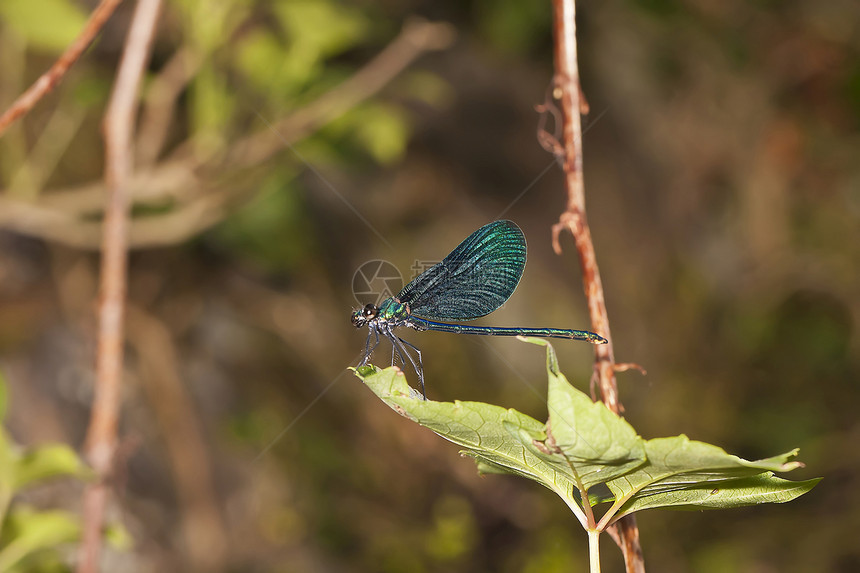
(419, 368)
(395, 347)
(367, 349)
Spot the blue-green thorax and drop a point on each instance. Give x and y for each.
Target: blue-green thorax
(392, 309)
(389, 314)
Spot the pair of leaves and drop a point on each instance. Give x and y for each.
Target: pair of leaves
(23, 531)
(584, 445)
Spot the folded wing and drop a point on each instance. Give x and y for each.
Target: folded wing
(475, 279)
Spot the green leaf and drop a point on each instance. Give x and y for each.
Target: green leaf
(754, 490)
(49, 25)
(259, 55)
(500, 440)
(206, 24)
(380, 130)
(507, 441)
(26, 532)
(322, 27)
(584, 445)
(383, 131)
(212, 107)
(47, 462)
(118, 537)
(317, 30)
(685, 473)
(597, 442)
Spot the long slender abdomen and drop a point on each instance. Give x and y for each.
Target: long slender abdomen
(508, 331)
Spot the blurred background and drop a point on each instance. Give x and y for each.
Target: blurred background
(283, 144)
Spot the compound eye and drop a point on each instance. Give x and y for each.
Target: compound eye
(369, 311)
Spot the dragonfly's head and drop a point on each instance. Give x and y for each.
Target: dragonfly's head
(364, 315)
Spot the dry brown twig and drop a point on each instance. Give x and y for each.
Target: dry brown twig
(574, 220)
(101, 439)
(47, 81)
(160, 104)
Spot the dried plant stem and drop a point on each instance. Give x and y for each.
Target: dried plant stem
(101, 443)
(567, 90)
(47, 81)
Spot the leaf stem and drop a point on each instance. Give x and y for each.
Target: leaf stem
(586, 506)
(594, 551)
(583, 497)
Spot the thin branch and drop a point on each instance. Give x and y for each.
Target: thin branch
(54, 75)
(44, 156)
(174, 178)
(118, 127)
(567, 90)
(65, 215)
(160, 104)
(174, 227)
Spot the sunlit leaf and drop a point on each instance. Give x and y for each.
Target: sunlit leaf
(118, 537)
(260, 56)
(684, 473)
(597, 442)
(584, 444)
(383, 131)
(26, 532)
(316, 30)
(326, 27)
(47, 462)
(500, 440)
(212, 107)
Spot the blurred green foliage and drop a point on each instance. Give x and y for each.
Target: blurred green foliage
(28, 537)
(279, 66)
(270, 230)
(515, 27)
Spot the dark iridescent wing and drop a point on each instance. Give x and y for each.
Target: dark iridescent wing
(474, 280)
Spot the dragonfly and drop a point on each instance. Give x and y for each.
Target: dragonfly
(475, 279)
